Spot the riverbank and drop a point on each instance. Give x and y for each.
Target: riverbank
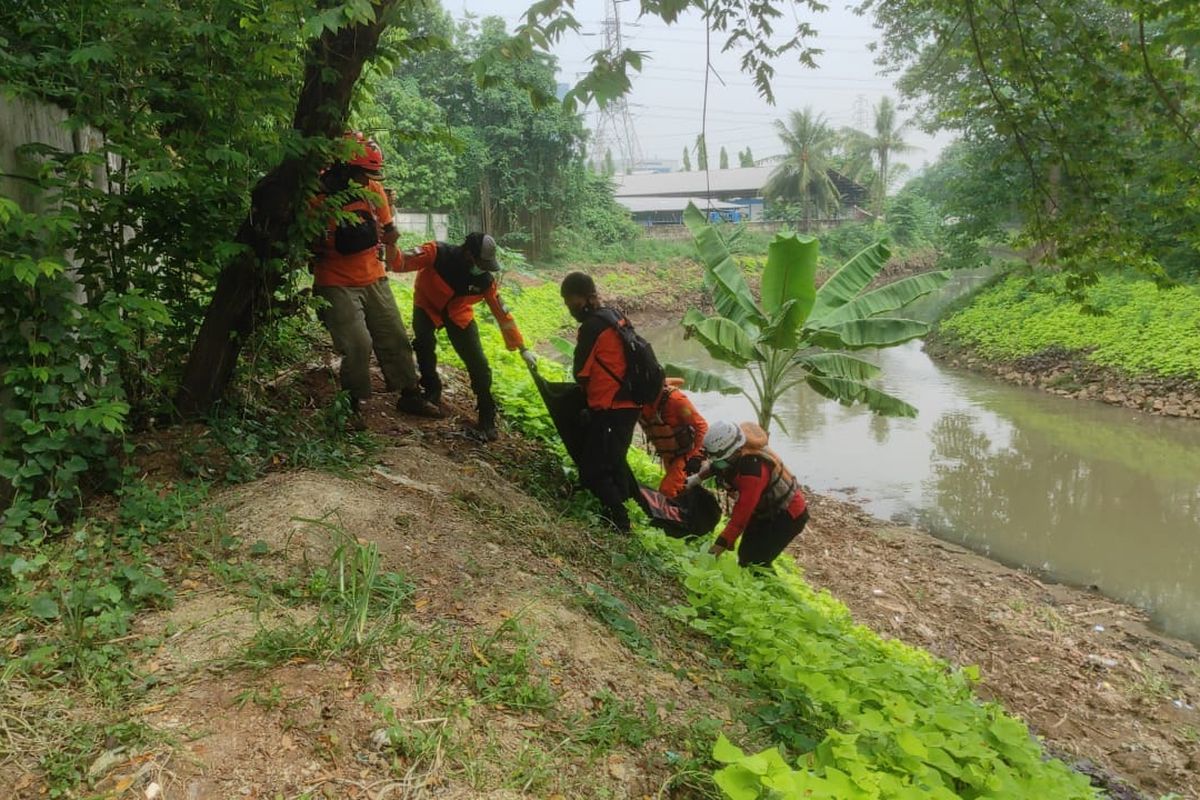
(1135, 345)
(529, 654)
(1121, 696)
(502, 645)
(1086, 673)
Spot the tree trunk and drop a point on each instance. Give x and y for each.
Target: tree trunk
(246, 285)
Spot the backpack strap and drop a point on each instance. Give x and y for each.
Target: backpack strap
(613, 318)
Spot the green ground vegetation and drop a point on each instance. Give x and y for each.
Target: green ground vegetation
(853, 715)
(1125, 322)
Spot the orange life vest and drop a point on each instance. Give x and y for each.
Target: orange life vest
(782, 484)
(670, 441)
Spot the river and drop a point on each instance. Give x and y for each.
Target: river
(1077, 491)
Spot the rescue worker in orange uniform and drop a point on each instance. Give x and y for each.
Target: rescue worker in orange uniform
(451, 279)
(770, 510)
(676, 430)
(348, 273)
(611, 415)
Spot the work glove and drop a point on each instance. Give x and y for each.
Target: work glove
(530, 358)
(692, 482)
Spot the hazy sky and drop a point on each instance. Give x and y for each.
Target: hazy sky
(667, 95)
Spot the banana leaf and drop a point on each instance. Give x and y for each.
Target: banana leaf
(838, 365)
(789, 280)
(886, 298)
(874, 332)
(848, 392)
(850, 279)
(722, 338)
(731, 294)
(699, 380)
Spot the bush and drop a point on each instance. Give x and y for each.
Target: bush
(64, 408)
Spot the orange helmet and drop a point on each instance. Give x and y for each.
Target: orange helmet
(367, 155)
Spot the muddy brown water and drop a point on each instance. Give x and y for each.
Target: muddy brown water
(1077, 491)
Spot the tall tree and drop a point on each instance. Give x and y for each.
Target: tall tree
(724, 158)
(878, 146)
(701, 153)
(687, 161)
(1096, 104)
(246, 286)
(803, 174)
(746, 158)
(610, 167)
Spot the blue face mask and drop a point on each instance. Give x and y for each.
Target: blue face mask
(720, 463)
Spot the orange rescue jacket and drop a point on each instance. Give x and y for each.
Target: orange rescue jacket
(331, 268)
(446, 288)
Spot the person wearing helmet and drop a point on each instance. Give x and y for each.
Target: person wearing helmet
(676, 430)
(451, 279)
(349, 274)
(599, 368)
(770, 510)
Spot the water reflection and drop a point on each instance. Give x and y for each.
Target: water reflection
(1089, 493)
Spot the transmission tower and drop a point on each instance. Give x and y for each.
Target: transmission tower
(862, 112)
(614, 127)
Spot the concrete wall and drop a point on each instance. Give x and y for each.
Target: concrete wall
(25, 122)
(435, 226)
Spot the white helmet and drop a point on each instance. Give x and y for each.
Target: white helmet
(723, 440)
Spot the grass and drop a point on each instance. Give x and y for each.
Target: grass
(505, 672)
(358, 609)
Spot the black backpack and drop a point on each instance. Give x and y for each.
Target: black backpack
(644, 376)
(357, 234)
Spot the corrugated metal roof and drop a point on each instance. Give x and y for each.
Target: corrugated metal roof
(746, 180)
(644, 204)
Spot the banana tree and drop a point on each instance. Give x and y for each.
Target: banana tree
(796, 333)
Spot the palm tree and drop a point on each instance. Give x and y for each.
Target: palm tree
(803, 175)
(885, 141)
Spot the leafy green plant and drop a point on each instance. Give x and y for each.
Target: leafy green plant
(779, 339)
(615, 613)
(73, 599)
(63, 408)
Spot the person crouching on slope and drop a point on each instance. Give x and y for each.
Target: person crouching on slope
(451, 279)
(770, 510)
(676, 430)
(600, 368)
(361, 313)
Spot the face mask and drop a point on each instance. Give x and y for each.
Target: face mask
(581, 314)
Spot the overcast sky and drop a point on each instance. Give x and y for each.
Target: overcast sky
(667, 95)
